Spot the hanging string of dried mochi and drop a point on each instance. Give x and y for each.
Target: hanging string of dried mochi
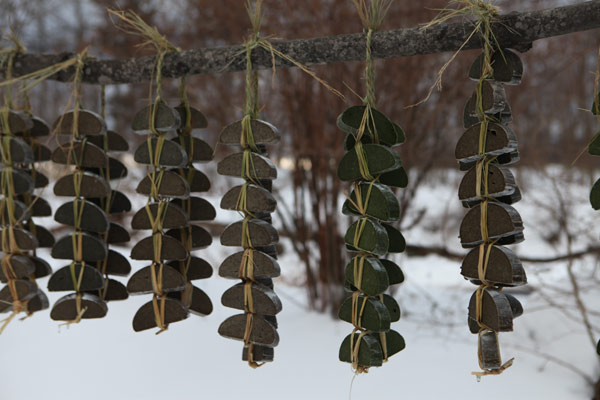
(171, 177)
(256, 265)
(488, 189)
(374, 169)
(76, 131)
(21, 237)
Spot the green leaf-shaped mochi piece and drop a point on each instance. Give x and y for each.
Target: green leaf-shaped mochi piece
(379, 159)
(392, 306)
(369, 350)
(397, 243)
(375, 315)
(374, 277)
(377, 124)
(395, 178)
(393, 340)
(394, 272)
(367, 235)
(382, 204)
(595, 195)
(400, 135)
(594, 146)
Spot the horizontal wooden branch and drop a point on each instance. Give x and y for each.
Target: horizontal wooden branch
(515, 30)
(422, 251)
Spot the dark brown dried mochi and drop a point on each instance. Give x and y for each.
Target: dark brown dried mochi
(261, 332)
(166, 119)
(500, 184)
(171, 185)
(171, 154)
(42, 268)
(262, 131)
(116, 170)
(260, 167)
(504, 225)
(89, 124)
(171, 216)
(171, 249)
(19, 151)
(258, 199)
(15, 266)
(496, 312)
(40, 128)
(112, 141)
(20, 211)
(197, 150)
(39, 180)
(37, 303)
(20, 181)
(493, 98)
(264, 300)
(194, 299)
(500, 139)
(193, 268)
(67, 279)
(196, 179)
(24, 291)
(238, 265)
(141, 281)
(82, 154)
(260, 233)
(197, 119)
(116, 264)
(197, 208)
(18, 123)
(119, 203)
(91, 186)
(41, 152)
(65, 309)
(144, 318)
(23, 240)
(259, 353)
(193, 237)
(117, 234)
(504, 267)
(83, 215)
(507, 67)
(39, 207)
(489, 350)
(44, 237)
(93, 248)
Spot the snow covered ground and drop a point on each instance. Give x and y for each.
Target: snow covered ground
(104, 359)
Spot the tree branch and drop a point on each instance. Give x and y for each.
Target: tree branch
(421, 251)
(515, 30)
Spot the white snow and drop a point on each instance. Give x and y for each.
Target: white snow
(105, 359)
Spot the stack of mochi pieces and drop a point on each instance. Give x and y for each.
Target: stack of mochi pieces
(170, 209)
(373, 167)
(80, 135)
(488, 189)
(21, 237)
(256, 264)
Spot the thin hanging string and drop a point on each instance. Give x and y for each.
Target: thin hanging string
(484, 28)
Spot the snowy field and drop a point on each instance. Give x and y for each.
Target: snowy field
(104, 359)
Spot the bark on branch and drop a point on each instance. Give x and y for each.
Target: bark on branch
(515, 30)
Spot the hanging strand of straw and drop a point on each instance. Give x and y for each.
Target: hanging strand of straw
(481, 13)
